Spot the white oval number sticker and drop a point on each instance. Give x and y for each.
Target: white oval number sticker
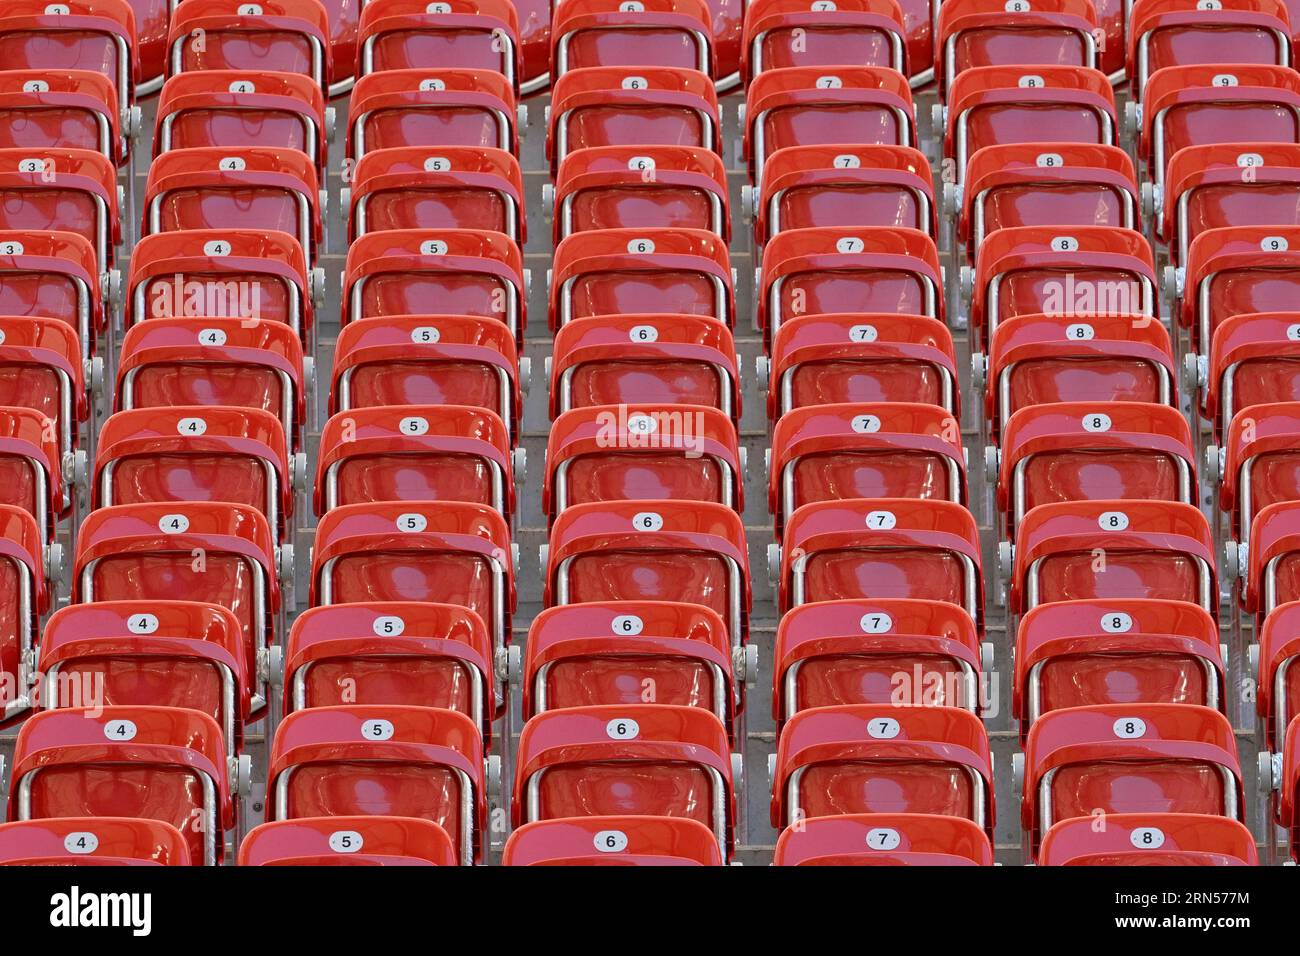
(883, 838)
(173, 524)
(414, 425)
(610, 841)
(346, 841)
(1113, 521)
(191, 426)
(882, 520)
(643, 333)
(877, 622)
(865, 424)
(81, 842)
(1096, 422)
(1147, 838)
(627, 625)
(1080, 332)
(622, 728)
(883, 728)
(1116, 622)
(863, 333)
(647, 521)
(377, 729)
(412, 522)
(1129, 728)
(120, 730)
(425, 335)
(142, 623)
(388, 625)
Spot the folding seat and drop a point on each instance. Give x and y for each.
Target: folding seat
(1149, 839)
(62, 190)
(446, 552)
(651, 187)
(860, 357)
(74, 109)
(25, 564)
(428, 360)
(1039, 360)
(459, 188)
(643, 452)
(808, 106)
(461, 35)
(392, 652)
(887, 651)
(1122, 651)
(1089, 451)
(93, 35)
(612, 841)
(465, 271)
(656, 760)
(535, 43)
(348, 841)
(645, 357)
(845, 270)
(810, 186)
(280, 36)
(1213, 103)
(1165, 33)
(420, 453)
(148, 653)
(1072, 271)
(237, 109)
(674, 34)
(153, 763)
(1252, 360)
(254, 188)
(883, 839)
(1044, 184)
(1276, 659)
(382, 760)
(214, 552)
(199, 453)
(237, 363)
(1106, 550)
(104, 841)
(31, 468)
(54, 275)
(786, 33)
(608, 106)
(615, 652)
(873, 758)
(1063, 33)
(1127, 758)
(1227, 184)
(1289, 803)
(1267, 566)
(343, 17)
(692, 552)
(433, 108)
(41, 369)
(1004, 105)
(864, 450)
(1256, 465)
(880, 548)
(621, 271)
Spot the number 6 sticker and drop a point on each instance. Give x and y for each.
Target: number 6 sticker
(610, 841)
(648, 521)
(622, 728)
(628, 625)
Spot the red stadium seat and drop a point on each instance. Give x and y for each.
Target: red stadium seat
(148, 653)
(348, 841)
(1123, 651)
(343, 17)
(1277, 674)
(1149, 839)
(627, 760)
(881, 548)
(461, 34)
(645, 357)
(836, 185)
(381, 760)
(1289, 804)
(612, 841)
(1252, 361)
(241, 274)
(830, 653)
(1128, 758)
(103, 841)
(237, 109)
(1068, 551)
(446, 552)
(1270, 565)
(427, 360)
(631, 106)
(458, 188)
(786, 33)
(465, 271)
(869, 759)
(392, 652)
(154, 763)
(883, 839)
(53, 275)
(845, 269)
(860, 357)
(62, 190)
(643, 452)
(432, 108)
(1256, 466)
(415, 453)
(620, 271)
(41, 369)
(615, 652)
(821, 106)
(285, 36)
(31, 468)
(664, 33)
(24, 561)
(75, 109)
(690, 551)
(630, 187)
(214, 552)
(864, 450)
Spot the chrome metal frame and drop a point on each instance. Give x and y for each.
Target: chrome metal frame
(1045, 819)
(774, 317)
(366, 61)
(1005, 410)
(297, 320)
(507, 203)
(717, 221)
(947, 386)
(950, 45)
(306, 236)
(1104, 120)
(298, 686)
(310, 142)
(317, 55)
(505, 132)
(1128, 207)
(504, 384)
(788, 504)
(895, 50)
(288, 398)
(1206, 599)
(562, 132)
(918, 196)
(759, 139)
(717, 685)
(703, 59)
(512, 298)
(725, 386)
(1019, 492)
(721, 305)
(992, 306)
(1035, 690)
(729, 479)
(979, 800)
(790, 685)
(498, 479)
(1144, 54)
(970, 587)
